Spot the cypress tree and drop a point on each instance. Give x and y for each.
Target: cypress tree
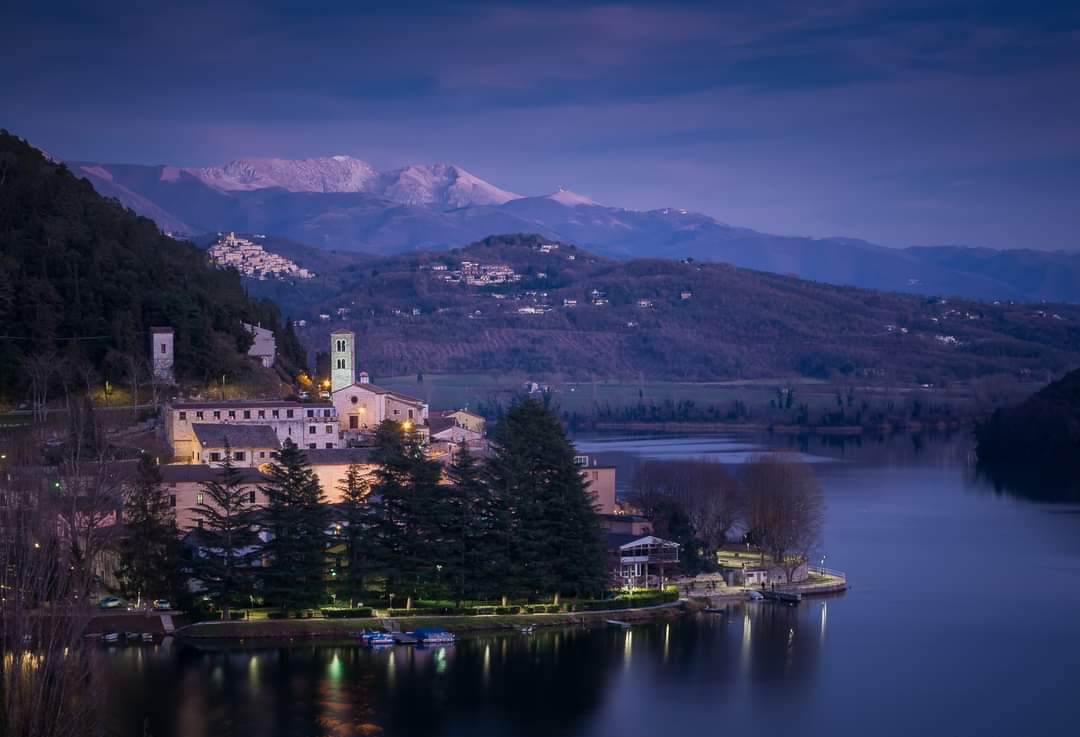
(229, 545)
(296, 519)
(150, 551)
(555, 545)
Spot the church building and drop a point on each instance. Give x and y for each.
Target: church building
(361, 405)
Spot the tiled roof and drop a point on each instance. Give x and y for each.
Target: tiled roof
(175, 473)
(238, 436)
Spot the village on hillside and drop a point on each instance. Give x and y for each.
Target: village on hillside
(254, 261)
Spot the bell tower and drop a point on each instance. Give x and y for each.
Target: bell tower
(342, 359)
(161, 353)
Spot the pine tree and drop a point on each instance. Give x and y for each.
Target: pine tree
(405, 513)
(296, 519)
(477, 531)
(229, 543)
(355, 490)
(150, 552)
(555, 545)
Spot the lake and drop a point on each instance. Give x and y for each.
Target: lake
(961, 620)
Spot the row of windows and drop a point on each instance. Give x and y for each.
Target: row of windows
(313, 446)
(312, 429)
(274, 413)
(239, 455)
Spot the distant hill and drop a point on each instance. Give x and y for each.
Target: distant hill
(698, 321)
(345, 204)
(83, 279)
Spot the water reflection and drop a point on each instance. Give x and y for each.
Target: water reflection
(553, 681)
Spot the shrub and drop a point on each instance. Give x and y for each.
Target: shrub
(357, 613)
(483, 610)
(277, 615)
(414, 612)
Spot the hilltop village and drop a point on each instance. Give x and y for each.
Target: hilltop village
(254, 261)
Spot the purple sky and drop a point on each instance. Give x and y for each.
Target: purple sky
(899, 122)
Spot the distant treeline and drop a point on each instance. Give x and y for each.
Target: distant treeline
(786, 408)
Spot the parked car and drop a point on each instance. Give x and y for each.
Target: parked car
(162, 605)
(111, 602)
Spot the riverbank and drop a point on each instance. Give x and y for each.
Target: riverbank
(278, 628)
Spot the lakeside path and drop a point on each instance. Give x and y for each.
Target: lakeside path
(269, 628)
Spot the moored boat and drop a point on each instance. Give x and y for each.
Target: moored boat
(434, 635)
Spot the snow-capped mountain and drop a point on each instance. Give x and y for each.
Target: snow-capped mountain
(326, 174)
(571, 199)
(444, 186)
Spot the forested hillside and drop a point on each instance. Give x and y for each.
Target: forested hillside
(82, 280)
(1038, 439)
(582, 315)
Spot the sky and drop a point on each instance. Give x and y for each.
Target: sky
(903, 123)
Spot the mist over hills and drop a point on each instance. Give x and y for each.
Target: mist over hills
(345, 204)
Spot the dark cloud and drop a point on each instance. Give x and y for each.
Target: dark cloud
(900, 122)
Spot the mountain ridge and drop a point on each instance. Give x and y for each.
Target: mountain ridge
(443, 206)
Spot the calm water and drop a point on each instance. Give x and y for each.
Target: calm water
(962, 619)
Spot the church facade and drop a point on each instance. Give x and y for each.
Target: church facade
(361, 405)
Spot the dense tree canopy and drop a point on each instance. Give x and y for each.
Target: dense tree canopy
(83, 278)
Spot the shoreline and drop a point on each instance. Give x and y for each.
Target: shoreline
(268, 629)
(289, 628)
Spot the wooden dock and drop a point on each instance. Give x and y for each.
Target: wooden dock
(784, 597)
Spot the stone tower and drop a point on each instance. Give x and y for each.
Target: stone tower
(342, 359)
(161, 353)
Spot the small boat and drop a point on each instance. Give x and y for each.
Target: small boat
(148, 637)
(434, 636)
(111, 637)
(378, 639)
(618, 623)
(753, 595)
(132, 636)
(405, 638)
(528, 629)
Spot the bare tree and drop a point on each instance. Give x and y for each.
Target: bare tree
(134, 365)
(42, 368)
(785, 509)
(88, 494)
(702, 488)
(47, 673)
